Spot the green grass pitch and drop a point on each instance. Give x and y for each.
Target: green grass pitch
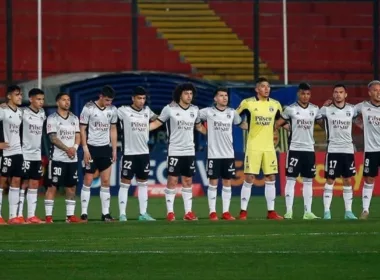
(252, 249)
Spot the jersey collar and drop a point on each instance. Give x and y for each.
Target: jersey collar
(63, 117)
(219, 109)
(36, 112)
(377, 106)
(101, 109)
(12, 108)
(339, 107)
(135, 109)
(299, 104)
(257, 99)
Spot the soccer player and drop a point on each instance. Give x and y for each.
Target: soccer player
(260, 153)
(340, 161)
(370, 111)
(63, 130)
(180, 117)
(11, 118)
(98, 129)
(300, 159)
(32, 126)
(220, 152)
(134, 121)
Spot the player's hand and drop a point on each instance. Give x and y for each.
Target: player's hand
(114, 156)
(4, 145)
(328, 102)
(87, 158)
(287, 127)
(71, 152)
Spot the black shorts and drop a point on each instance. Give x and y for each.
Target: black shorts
(371, 164)
(63, 174)
(181, 166)
(11, 166)
(221, 168)
(32, 169)
(300, 163)
(138, 165)
(101, 159)
(339, 165)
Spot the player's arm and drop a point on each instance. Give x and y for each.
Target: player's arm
(358, 120)
(164, 116)
(84, 119)
(56, 142)
(244, 125)
(282, 119)
(202, 115)
(114, 134)
(321, 117)
(3, 145)
(200, 128)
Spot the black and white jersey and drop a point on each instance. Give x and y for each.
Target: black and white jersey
(66, 129)
(180, 124)
(338, 125)
(219, 131)
(99, 122)
(371, 125)
(11, 123)
(302, 126)
(32, 126)
(135, 125)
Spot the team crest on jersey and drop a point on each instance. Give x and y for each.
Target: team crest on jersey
(228, 116)
(73, 123)
(108, 115)
(192, 114)
(312, 114)
(297, 113)
(145, 115)
(348, 114)
(271, 109)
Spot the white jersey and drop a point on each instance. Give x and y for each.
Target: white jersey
(371, 125)
(32, 126)
(180, 128)
(135, 126)
(11, 123)
(219, 131)
(66, 129)
(338, 125)
(99, 123)
(302, 126)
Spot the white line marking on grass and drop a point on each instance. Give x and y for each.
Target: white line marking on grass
(197, 236)
(163, 252)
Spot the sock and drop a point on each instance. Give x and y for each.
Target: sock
(31, 197)
(1, 200)
(289, 193)
(143, 197)
(347, 197)
(226, 198)
(367, 195)
(49, 204)
(20, 211)
(270, 194)
(70, 207)
(187, 196)
(307, 192)
(327, 196)
(14, 198)
(169, 197)
(211, 195)
(105, 198)
(245, 195)
(85, 196)
(123, 198)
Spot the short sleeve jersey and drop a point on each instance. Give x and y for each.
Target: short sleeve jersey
(32, 127)
(11, 124)
(261, 115)
(371, 122)
(219, 131)
(135, 125)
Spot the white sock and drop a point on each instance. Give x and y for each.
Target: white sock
(367, 195)
(226, 198)
(270, 194)
(70, 207)
(20, 211)
(14, 198)
(211, 195)
(245, 195)
(169, 197)
(187, 196)
(327, 196)
(307, 192)
(105, 198)
(31, 197)
(123, 198)
(1, 200)
(85, 196)
(347, 197)
(289, 193)
(143, 197)
(49, 204)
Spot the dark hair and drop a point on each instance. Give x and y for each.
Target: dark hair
(139, 91)
(304, 86)
(59, 95)
(13, 88)
(340, 85)
(183, 87)
(35, 91)
(108, 91)
(261, 79)
(224, 89)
